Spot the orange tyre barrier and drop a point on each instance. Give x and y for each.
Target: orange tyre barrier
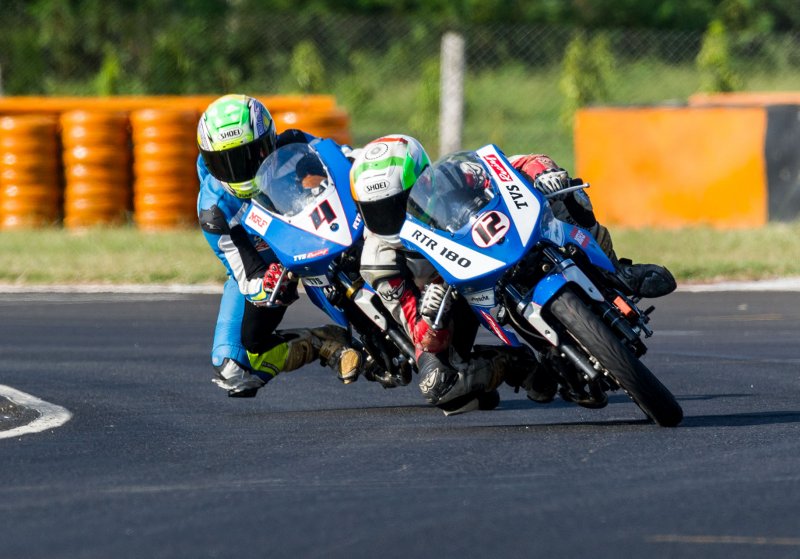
(133, 152)
(326, 123)
(96, 167)
(30, 187)
(165, 182)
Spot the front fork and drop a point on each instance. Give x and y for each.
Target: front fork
(562, 271)
(364, 300)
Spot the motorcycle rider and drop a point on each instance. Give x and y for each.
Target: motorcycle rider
(235, 135)
(452, 377)
(381, 178)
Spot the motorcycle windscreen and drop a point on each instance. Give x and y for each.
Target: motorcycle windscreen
(450, 192)
(291, 179)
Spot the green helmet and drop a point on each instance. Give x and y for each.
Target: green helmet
(235, 135)
(381, 177)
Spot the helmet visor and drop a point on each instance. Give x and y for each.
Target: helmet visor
(385, 216)
(238, 164)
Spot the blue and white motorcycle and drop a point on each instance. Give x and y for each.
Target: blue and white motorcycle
(305, 212)
(532, 279)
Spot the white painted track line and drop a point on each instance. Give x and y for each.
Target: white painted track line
(50, 415)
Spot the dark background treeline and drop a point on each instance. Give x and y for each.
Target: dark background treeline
(190, 46)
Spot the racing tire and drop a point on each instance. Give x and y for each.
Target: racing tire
(597, 339)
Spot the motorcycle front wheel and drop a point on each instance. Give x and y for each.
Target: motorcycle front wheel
(598, 341)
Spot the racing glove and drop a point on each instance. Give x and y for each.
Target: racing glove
(272, 283)
(433, 298)
(551, 181)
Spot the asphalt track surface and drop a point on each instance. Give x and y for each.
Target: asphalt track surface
(157, 462)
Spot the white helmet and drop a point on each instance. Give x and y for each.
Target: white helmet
(381, 179)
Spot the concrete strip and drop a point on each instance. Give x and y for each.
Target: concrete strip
(780, 284)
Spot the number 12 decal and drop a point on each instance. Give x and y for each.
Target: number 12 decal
(489, 229)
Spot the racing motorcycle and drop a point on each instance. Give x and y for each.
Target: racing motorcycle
(305, 212)
(534, 280)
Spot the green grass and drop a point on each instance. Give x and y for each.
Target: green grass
(124, 255)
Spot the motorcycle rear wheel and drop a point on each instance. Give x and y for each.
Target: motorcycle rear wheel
(598, 341)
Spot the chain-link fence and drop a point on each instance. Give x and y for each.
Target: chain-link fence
(521, 86)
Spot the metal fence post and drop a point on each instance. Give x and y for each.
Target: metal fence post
(451, 102)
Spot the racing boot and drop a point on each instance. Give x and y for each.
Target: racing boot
(641, 280)
(335, 353)
(238, 380)
(521, 369)
(540, 386)
(645, 280)
(454, 391)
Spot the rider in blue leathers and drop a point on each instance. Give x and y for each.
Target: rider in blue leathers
(235, 134)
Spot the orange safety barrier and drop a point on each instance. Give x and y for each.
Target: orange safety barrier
(30, 184)
(332, 123)
(128, 153)
(128, 103)
(674, 167)
(165, 178)
(97, 161)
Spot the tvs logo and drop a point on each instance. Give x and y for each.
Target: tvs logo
(580, 237)
(497, 166)
(490, 229)
(312, 254)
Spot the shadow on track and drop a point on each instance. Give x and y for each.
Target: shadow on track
(741, 419)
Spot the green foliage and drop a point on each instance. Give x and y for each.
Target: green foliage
(107, 81)
(306, 68)
(424, 120)
(587, 74)
(714, 61)
(55, 256)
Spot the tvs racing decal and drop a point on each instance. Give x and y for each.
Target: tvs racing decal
(523, 205)
(497, 166)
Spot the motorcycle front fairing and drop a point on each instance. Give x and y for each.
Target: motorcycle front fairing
(307, 220)
(472, 247)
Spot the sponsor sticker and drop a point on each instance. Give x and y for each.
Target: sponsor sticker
(258, 220)
(580, 237)
(481, 298)
(230, 133)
